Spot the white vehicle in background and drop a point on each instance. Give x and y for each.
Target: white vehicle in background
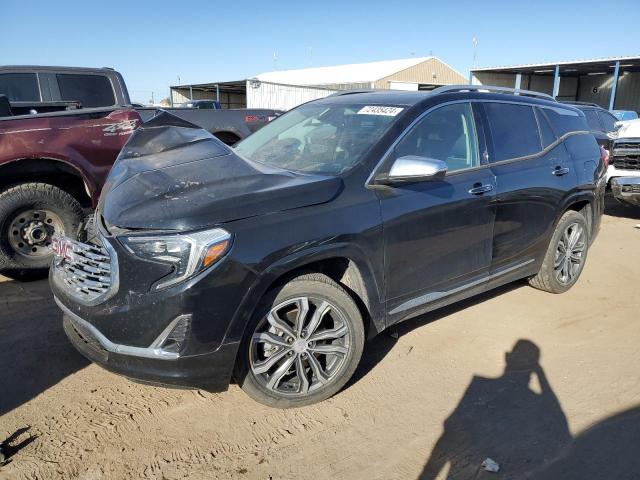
(623, 172)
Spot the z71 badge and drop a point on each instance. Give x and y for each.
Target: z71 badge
(121, 128)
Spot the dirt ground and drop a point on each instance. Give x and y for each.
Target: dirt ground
(434, 402)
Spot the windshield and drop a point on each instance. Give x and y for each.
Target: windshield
(320, 138)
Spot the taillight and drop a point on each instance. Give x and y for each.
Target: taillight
(604, 156)
(251, 118)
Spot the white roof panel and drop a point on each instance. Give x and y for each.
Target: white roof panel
(553, 64)
(352, 73)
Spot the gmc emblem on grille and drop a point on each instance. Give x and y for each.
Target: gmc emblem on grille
(62, 249)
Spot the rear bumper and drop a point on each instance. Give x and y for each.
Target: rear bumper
(626, 189)
(210, 371)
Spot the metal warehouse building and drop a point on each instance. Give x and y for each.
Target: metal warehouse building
(286, 89)
(613, 83)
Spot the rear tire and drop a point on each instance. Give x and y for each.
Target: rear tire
(291, 359)
(30, 214)
(566, 255)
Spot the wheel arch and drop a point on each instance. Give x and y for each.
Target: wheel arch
(57, 172)
(350, 270)
(582, 203)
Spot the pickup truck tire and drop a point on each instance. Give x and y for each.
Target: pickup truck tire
(314, 358)
(30, 213)
(566, 255)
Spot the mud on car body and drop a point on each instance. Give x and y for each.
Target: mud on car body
(272, 262)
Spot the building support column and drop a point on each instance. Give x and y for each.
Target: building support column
(190, 93)
(614, 87)
(518, 81)
(556, 82)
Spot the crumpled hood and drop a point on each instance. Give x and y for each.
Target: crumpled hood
(173, 175)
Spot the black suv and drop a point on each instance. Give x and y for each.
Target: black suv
(601, 122)
(272, 262)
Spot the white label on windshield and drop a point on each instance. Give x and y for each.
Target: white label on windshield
(380, 110)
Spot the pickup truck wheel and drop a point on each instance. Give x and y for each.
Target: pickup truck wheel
(30, 214)
(566, 255)
(303, 344)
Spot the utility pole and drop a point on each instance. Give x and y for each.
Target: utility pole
(475, 54)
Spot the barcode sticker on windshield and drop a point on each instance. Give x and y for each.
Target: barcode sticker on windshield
(380, 110)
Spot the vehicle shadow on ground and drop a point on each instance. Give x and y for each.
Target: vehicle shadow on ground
(379, 347)
(34, 351)
(614, 208)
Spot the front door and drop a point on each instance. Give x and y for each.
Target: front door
(438, 234)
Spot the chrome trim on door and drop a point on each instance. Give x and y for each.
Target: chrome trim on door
(433, 296)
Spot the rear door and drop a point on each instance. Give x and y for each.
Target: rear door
(438, 234)
(533, 175)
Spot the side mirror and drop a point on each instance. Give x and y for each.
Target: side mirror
(413, 169)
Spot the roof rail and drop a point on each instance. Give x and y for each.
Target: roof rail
(490, 89)
(586, 104)
(340, 93)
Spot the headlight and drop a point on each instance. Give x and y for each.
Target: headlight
(187, 253)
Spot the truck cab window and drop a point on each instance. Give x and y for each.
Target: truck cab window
(20, 87)
(90, 90)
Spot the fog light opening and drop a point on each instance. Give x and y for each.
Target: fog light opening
(174, 339)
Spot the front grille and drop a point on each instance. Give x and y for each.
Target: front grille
(627, 162)
(85, 271)
(631, 188)
(626, 155)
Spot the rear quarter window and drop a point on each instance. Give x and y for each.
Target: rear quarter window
(514, 130)
(20, 87)
(592, 120)
(608, 121)
(564, 121)
(90, 90)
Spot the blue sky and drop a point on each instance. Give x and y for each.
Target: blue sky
(152, 43)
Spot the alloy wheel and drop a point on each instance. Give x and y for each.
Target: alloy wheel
(300, 346)
(570, 253)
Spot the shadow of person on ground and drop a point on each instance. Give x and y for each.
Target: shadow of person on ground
(34, 351)
(9, 447)
(513, 420)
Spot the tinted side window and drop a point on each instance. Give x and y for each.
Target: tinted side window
(548, 137)
(592, 120)
(89, 90)
(514, 130)
(564, 121)
(608, 121)
(448, 134)
(20, 87)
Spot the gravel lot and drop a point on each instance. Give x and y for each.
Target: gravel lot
(441, 397)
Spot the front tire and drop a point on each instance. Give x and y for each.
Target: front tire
(302, 345)
(566, 255)
(30, 214)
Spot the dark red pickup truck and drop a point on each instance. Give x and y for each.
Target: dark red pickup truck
(52, 167)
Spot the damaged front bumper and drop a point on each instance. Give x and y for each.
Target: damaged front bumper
(626, 189)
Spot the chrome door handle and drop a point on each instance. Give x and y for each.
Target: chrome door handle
(559, 171)
(479, 190)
